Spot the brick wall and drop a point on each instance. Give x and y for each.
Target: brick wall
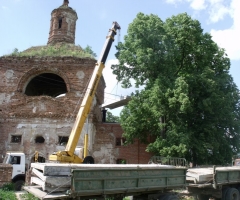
(105, 149)
(63, 25)
(32, 116)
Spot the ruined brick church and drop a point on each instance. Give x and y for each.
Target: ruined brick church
(41, 90)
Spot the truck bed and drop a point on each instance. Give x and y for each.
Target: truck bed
(216, 175)
(104, 179)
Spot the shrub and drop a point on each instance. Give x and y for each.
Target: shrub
(8, 187)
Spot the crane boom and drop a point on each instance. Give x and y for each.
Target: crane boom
(68, 155)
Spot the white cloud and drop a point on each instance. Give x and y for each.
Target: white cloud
(229, 38)
(198, 4)
(217, 10)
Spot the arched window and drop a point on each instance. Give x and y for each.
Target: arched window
(48, 84)
(59, 22)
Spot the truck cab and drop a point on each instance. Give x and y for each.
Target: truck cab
(17, 160)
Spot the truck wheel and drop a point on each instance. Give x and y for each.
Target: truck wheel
(18, 185)
(232, 194)
(224, 192)
(88, 160)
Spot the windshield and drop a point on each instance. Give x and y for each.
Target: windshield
(6, 159)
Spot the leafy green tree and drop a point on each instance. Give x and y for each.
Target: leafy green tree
(88, 49)
(111, 118)
(190, 104)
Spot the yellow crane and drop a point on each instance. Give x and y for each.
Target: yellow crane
(68, 156)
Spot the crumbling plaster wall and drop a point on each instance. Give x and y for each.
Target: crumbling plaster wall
(31, 116)
(29, 129)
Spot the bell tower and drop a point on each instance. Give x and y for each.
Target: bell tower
(63, 24)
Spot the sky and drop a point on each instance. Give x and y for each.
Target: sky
(26, 23)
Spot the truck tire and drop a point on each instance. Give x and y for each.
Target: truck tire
(18, 185)
(88, 160)
(232, 194)
(224, 192)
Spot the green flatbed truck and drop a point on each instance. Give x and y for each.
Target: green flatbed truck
(59, 181)
(150, 181)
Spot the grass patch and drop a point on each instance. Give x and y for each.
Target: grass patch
(7, 192)
(28, 196)
(59, 49)
(7, 195)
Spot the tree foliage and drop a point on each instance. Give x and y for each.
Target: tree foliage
(112, 118)
(190, 104)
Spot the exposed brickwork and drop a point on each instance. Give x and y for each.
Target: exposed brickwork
(46, 116)
(32, 116)
(105, 149)
(63, 25)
